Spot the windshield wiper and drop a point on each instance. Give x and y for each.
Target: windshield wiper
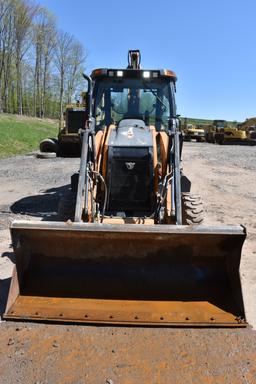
(156, 95)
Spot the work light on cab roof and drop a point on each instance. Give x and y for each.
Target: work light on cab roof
(133, 70)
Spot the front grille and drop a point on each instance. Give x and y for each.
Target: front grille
(130, 179)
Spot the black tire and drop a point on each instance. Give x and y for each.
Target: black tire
(192, 209)
(49, 145)
(220, 140)
(210, 139)
(67, 207)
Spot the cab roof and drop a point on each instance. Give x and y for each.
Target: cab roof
(134, 73)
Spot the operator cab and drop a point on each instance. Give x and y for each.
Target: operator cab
(133, 108)
(146, 95)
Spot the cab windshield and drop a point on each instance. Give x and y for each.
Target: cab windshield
(149, 100)
(220, 123)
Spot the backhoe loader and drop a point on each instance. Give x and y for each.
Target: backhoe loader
(130, 248)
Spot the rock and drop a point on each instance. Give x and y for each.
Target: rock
(10, 342)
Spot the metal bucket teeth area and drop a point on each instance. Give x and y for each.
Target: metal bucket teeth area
(127, 274)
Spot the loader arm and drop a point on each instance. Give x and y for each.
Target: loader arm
(175, 155)
(87, 151)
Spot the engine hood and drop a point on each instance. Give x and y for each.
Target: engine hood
(131, 133)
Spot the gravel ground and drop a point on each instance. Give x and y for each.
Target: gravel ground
(30, 189)
(39, 353)
(225, 177)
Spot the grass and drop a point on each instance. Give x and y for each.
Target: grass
(198, 121)
(21, 135)
(203, 121)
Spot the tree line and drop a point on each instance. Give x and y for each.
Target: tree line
(40, 65)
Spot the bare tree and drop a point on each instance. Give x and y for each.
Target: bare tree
(62, 61)
(24, 12)
(39, 67)
(77, 58)
(6, 40)
(44, 40)
(48, 51)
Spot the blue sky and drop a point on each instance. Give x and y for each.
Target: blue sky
(211, 45)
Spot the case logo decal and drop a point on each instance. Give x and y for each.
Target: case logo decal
(130, 165)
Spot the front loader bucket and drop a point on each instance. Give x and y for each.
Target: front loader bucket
(127, 274)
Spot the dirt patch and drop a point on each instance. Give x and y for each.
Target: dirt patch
(74, 354)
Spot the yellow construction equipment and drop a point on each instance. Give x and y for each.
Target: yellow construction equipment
(249, 127)
(131, 250)
(68, 143)
(192, 132)
(221, 132)
(230, 135)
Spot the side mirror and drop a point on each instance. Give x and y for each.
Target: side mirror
(88, 95)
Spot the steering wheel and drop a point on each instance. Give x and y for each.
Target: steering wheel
(116, 111)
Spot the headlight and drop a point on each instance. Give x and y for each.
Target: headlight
(146, 74)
